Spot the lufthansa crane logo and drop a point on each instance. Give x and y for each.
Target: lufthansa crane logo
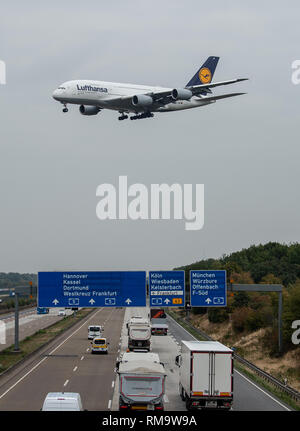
(205, 75)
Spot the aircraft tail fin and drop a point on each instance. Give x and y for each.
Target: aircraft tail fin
(206, 72)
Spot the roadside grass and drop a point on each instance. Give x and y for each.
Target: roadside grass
(30, 344)
(244, 370)
(270, 388)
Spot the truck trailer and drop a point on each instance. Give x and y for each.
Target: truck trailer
(141, 381)
(205, 375)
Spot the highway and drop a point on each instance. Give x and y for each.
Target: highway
(67, 365)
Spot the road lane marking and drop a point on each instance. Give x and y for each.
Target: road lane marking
(66, 382)
(113, 384)
(109, 404)
(82, 357)
(41, 361)
(75, 369)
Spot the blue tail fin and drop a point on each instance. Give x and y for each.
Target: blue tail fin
(205, 73)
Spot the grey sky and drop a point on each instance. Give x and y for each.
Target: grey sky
(245, 150)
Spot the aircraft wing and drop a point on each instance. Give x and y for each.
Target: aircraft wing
(159, 97)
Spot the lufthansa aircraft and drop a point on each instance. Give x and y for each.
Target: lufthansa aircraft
(142, 100)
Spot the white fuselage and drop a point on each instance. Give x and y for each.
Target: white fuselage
(117, 96)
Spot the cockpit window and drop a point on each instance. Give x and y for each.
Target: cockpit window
(61, 88)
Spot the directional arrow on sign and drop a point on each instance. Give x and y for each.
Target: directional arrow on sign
(91, 301)
(128, 301)
(167, 301)
(208, 301)
(55, 301)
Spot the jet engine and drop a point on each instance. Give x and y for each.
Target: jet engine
(142, 100)
(181, 94)
(88, 110)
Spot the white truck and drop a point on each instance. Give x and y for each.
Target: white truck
(141, 381)
(205, 375)
(139, 334)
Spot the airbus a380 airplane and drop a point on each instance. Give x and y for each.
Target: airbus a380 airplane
(141, 100)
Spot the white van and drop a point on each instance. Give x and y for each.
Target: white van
(65, 401)
(94, 331)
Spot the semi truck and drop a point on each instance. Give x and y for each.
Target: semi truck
(205, 375)
(139, 335)
(141, 381)
(159, 324)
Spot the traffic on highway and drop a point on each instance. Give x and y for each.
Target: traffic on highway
(149, 374)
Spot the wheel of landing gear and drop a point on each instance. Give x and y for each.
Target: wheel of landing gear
(65, 110)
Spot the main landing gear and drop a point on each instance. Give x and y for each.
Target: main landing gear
(143, 115)
(123, 117)
(65, 108)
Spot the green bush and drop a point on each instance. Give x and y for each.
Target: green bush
(217, 315)
(239, 318)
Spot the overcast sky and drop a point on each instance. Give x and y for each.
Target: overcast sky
(245, 150)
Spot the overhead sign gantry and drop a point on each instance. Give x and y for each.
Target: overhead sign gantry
(92, 289)
(167, 288)
(208, 288)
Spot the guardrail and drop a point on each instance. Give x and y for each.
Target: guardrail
(266, 376)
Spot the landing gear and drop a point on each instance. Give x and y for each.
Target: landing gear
(65, 108)
(143, 115)
(123, 117)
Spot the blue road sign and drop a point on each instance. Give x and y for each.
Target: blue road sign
(167, 288)
(208, 288)
(92, 289)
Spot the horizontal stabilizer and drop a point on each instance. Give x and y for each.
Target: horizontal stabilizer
(222, 96)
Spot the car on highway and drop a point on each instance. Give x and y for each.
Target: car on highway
(94, 331)
(62, 401)
(99, 345)
(62, 313)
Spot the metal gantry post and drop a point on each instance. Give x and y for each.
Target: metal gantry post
(280, 322)
(17, 348)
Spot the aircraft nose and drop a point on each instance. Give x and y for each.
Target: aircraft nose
(56, 94)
